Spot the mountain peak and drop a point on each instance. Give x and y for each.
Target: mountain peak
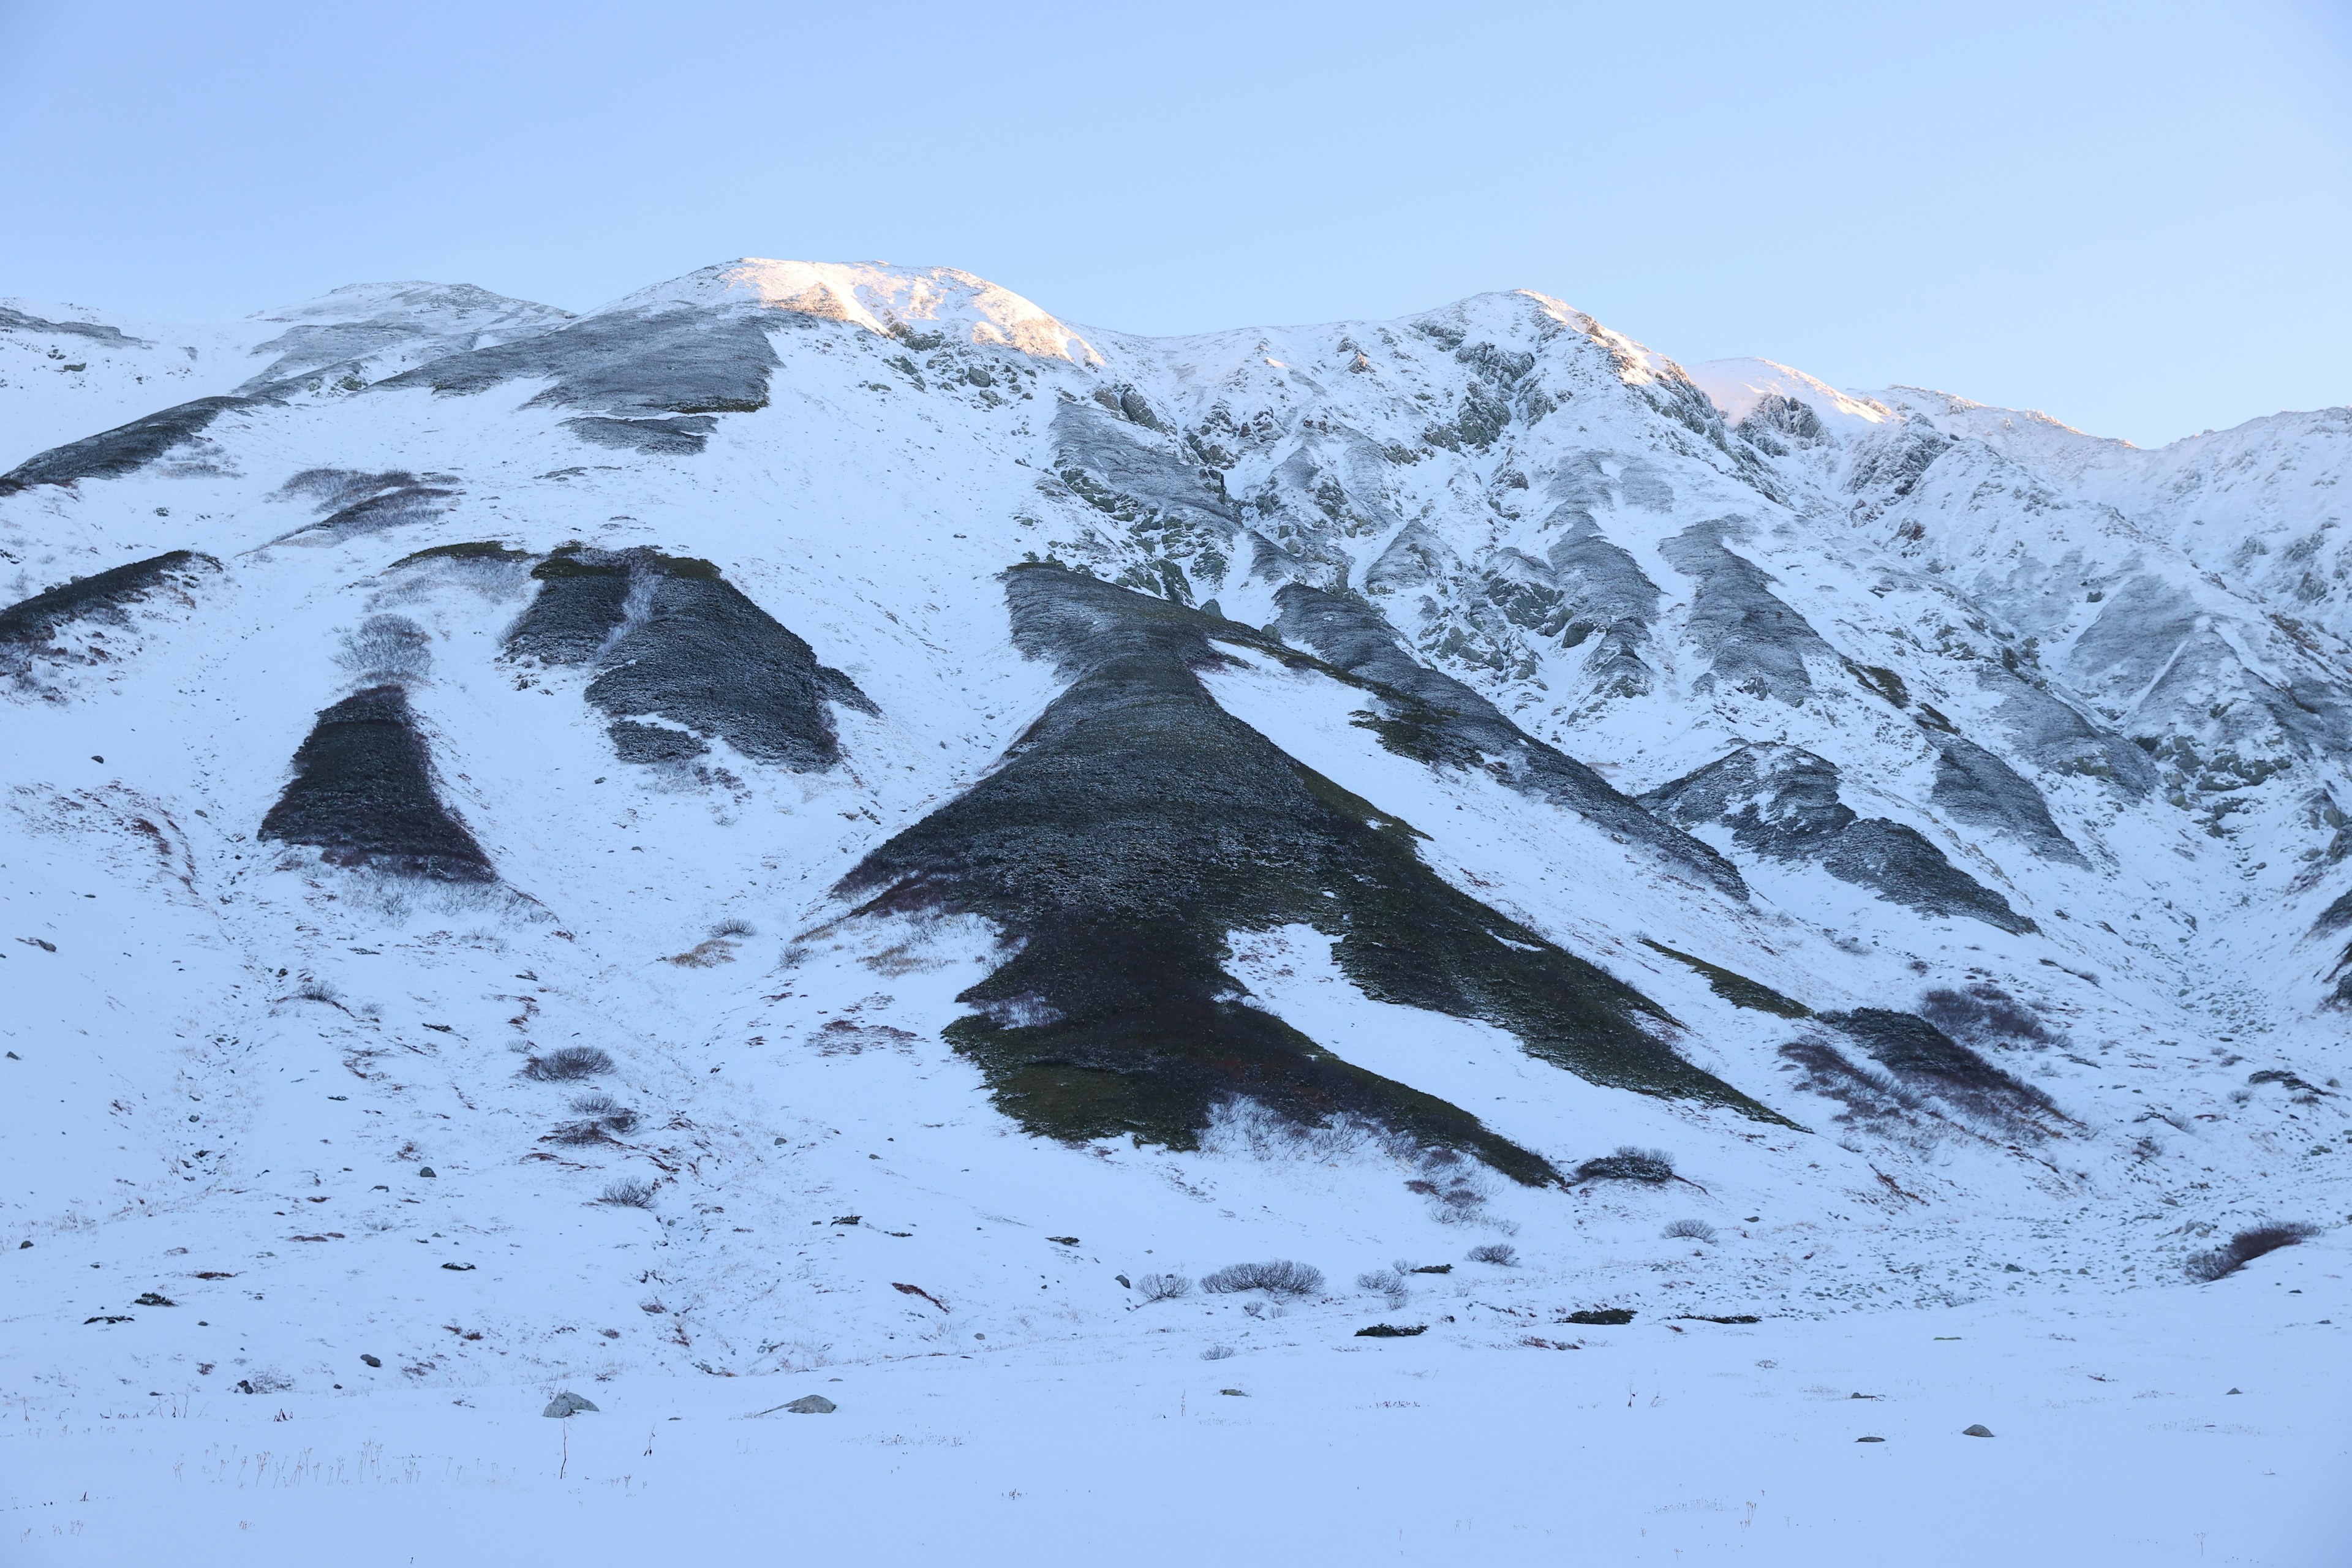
(892, 301)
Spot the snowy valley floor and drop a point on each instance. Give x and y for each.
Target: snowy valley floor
(2173, 1424)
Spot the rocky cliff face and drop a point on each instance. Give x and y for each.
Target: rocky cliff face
(826, 698)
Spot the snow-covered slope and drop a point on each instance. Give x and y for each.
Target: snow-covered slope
(819, 812)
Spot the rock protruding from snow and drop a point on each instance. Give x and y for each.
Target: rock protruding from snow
(674, 641)
(1783, 801)
(360, 328)
(362, 792)
(125, 450)
(32, 626)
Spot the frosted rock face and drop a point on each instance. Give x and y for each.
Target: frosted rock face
(674, 641)
(1783, 801)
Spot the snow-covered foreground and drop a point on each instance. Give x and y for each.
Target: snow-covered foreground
(2149, 1428)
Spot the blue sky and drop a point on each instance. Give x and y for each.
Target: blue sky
(2137, 217)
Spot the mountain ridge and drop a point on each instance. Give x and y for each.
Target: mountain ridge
(1890, 818)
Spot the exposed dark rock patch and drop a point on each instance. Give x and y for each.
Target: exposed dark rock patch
(1415, 558)
(673, 640)
(363, 791)
(1790, 419)
(345, 329)
(1433, 716)
(2057, 737)
(32, 622)
(1783, 801)
(1168, 501)
(1134, 827)
(681, 435)
(626, 364)
(352, 504)
(1754, 642)
(1977, 788)
(582, 601)
(1608, 599)
(113, 337)
(125, 450)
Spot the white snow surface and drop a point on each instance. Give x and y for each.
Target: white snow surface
(206, 1033)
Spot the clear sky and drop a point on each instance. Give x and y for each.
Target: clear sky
(2136, 216)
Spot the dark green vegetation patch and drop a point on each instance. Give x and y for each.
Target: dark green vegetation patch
(1137, 823)
(363, 791)
(38, 620)
(1601, 1317)
(1735, 989)
(672, 639)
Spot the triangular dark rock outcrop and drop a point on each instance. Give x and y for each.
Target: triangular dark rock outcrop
(1134, 827)
(363, 791)
(673, 640)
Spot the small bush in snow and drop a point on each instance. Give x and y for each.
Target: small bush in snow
(1694, 1229)
(1161, 1287)
(2244, 1248)
(566, 1063)
(1629, 1164)
(629, 1193)
(731, 927)
(1280, 1278)
(387, 648)
(1500, 1253)
(602, 1111)
(1388, 1282)
(1217, 1352)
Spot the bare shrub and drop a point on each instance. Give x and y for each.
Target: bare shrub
(1500, 1253)
(1161, 1287)
(1454, 1187)
(628, 1193)
(318, 991)
(2244, 1248)
(731, 927)
(566, 1063)
(1388, 1282)
(1983, 1015)
(1279, 1278)
(1244, 1127)
(1629, 1164)
(1691, 1229)
(1217, 1352)
(387, 648)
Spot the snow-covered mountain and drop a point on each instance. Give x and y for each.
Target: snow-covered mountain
(819, 812)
